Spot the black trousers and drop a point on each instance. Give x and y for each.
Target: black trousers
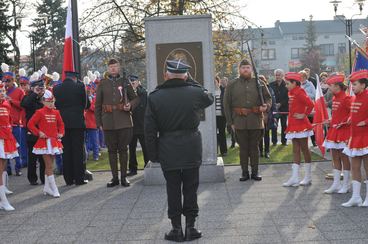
(265, 142)
(73, 164)
(182, 183)
(32, 164)
(133, 163)
(313, 138)
(283, 119)
(221, 133)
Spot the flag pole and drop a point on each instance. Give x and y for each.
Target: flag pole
(76, 47)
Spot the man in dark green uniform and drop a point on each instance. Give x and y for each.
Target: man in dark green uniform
(172, 139)
(244, 111)
(115, 99)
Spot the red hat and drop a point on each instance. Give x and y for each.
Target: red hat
(336, 78)
(361, 74)
(293, 76)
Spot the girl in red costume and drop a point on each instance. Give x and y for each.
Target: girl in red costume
(47, 124)
(339, 133)
(299, 128)
(8, 145)
(357, 147)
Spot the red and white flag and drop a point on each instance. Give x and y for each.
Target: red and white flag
(320, 116)
(68, 64)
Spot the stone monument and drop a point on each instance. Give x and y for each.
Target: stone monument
(188, 38)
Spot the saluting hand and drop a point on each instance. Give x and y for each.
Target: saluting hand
(263, 108)
(127, 107)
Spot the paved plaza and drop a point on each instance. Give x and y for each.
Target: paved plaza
(230, 212)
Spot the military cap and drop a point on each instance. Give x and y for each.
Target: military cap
(177, 66)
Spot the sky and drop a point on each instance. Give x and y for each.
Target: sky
(263, 13)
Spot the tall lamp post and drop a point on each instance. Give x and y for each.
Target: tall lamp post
(348, 24)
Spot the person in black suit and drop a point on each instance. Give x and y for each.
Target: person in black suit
(71, 100)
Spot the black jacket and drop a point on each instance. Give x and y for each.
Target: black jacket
(71, 101)
(171, 124)
(281, 95)
(31, 102)
(138, 112)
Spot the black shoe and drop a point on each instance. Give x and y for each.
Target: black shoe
(125, 182)
(314, 144)
(192, 233)
(223, 154)
(81, 183)
(274, 144)
(284, 144)
(232, 145)
(113, 182)
(18, 173)
(244, 177)
(132, 173)
(261, 155)
(33, 183)
(267, 155)
(256, 177)
(176, 234)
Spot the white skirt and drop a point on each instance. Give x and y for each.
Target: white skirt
(49, 150)
(298, 135)
(355, 152)
(7, 155)
(334, 145)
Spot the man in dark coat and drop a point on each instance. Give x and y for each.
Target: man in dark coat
(138, 126)
(31, 102)
(282, 105)
(172, 139)
(71, 100)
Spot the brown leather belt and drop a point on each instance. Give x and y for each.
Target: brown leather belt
(110, 108)
(246, 111)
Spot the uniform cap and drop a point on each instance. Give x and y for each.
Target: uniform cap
(177, 66)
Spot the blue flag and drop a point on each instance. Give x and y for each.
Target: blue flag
(361, 60)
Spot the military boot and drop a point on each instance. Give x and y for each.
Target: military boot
(176, 233)
(191, 233)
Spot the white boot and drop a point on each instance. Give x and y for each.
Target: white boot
(365, 203)
(308, 175)
(336, 182)
(4, 204)
(5, 183)
(294, 179)
(356, 199)
(345, 183)
(47, 190)
(53, 186)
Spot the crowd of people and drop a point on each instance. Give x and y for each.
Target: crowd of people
(51, 126)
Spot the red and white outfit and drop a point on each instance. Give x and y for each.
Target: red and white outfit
(50, 123)
(8, 143)
(300, 103)
(339, 132)
(358, 143)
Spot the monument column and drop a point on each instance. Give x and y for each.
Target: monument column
(190, 38)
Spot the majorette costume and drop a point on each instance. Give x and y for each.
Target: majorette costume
(339, 132)
(299, 102)
(358, 143)
(8, 148)
(51, 124)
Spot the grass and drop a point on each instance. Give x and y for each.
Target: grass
(278, 154)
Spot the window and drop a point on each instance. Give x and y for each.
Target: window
(268, 54)
(342, 48)
(272, 42)
(296, 53)
(327, 49)
(327, 36)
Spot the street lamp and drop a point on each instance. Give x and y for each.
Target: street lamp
(348, 23)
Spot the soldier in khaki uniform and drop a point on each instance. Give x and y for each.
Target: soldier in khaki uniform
(243, 111)
(115, 99)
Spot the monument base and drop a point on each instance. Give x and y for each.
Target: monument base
(207, 173)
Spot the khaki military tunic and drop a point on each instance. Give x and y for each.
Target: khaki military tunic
(241, 93)
(109, 103)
